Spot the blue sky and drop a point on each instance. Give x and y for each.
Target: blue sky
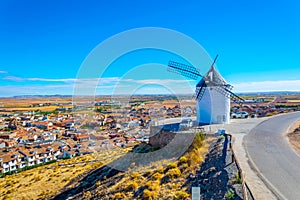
(44, 43)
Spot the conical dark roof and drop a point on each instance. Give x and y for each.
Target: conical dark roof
(212, 78)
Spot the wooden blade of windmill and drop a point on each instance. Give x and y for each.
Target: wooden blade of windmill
(222, 90)
(235, 97)
(226, 92)
(184, 70)
(200, 91)
(196, 93)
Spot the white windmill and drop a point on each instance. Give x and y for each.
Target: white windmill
(212, 93)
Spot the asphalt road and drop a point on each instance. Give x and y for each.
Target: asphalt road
(273, 157)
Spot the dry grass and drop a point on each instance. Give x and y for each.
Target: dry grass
(183, 159)
(160, 180)
(48, 180)
(23, 104)
(294, 101)
(173, 173)
(181, 195)
(149, 195)
(43, 109)
(171, 166)
(120, 195)
(292, 97)
(163, 179)
(26, 102)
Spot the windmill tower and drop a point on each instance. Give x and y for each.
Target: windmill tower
(212, 93)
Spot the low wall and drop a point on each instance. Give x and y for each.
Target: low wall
(246, 191)
(161, 138)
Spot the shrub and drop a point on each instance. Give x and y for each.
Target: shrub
(179, 195)
(200, 137)
(229, 194)
(120, 195)
(148, 195)
(156, 176)
(185, 165)
(238, 178)
(183, 159)
(194, 157)
(175, 186)
(174, 173)
(9, 191)
(37, 178)
(43, 194)
(7, 197)
(171, 166)
(98, 184)
(66, 179)
(132, 185)
(160, 170)
(148, 173)
(135, 175)
(87, 195)
(153, 185)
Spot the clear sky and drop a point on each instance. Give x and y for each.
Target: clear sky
(43, 43)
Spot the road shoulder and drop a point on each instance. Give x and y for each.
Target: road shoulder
(293, 136)
(239, 128)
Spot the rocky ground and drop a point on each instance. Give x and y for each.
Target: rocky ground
(294, 136)
(218, 176)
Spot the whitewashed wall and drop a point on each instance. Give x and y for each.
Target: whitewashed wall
(213, 108)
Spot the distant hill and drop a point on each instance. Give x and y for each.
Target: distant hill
(42, 96)
(161, 95)
(269, 93)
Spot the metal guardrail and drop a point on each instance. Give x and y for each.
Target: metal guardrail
(241, 174)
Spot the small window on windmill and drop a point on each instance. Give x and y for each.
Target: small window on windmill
(219, 119)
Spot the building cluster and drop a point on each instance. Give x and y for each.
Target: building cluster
(263, 108)
(28, 139)
(33, 138)
(20, 157)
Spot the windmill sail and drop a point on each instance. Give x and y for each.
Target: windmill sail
(211, 79)
(200, 89)
(213, 93)
(184, 70)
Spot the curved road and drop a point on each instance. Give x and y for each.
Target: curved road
(272, 156)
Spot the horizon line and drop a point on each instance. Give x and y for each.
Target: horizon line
(145, 94)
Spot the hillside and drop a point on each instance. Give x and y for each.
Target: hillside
(206, 164)
(46, 181)
(166, 179)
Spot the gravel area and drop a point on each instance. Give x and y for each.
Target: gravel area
(217, 175)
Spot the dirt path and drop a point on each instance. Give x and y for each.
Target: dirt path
(294, 136)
